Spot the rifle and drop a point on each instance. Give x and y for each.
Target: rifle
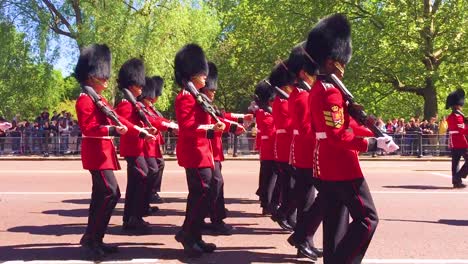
(129, 96)
(280, 92)
(204, 103)
(303, 85)
(357, 114)
(101, 105)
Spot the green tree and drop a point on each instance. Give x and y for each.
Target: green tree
(147, 29)
(27, 85)
(408, 48)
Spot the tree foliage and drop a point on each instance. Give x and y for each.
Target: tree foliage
(27, 86)
(408, 54)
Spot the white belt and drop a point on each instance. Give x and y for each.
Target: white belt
(321, 135)
(103, 137)
(453, 132)
(296, 132)
(281, 131)
(264, 137)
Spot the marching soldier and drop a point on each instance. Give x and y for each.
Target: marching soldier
(218, 208)
(132, 78)
(336, 162)
(97, 150)
(152, 149)
(280, 77)
(269, 197)
(457, 136)
(309, 215)
(194, 151)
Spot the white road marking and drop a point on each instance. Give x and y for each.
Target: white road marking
(415, 261)
(445, 175)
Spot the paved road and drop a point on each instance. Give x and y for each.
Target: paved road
(44, 211)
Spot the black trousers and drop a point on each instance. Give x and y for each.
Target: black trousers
(457, 174)
(217, 204)
(286, 183)
(309, 207)
(152, 176)
(137, 182)
(354, 196)
(198, 200)
(267, 191)
(158, 181)
(104, 197)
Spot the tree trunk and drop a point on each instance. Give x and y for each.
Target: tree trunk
(430, 99)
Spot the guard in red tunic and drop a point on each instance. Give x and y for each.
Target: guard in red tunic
(269, 197)
(286, 214)
(457, 136)
(132, 78)
(152, 149)
(336, 162)
(218, 208)
(97, 149)
(194, 150)
(309, 211)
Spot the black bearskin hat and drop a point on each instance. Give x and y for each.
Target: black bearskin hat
(281, 75)
(94, 61)
(455, 98)
(330, 39)
(131, 73)
(153, 87)
(297, 58)
(189, 61)
(212, 78)
(263, 93)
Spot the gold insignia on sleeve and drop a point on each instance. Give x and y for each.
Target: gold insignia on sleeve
(335, 117)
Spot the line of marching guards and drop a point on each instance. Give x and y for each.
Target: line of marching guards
(308, 144)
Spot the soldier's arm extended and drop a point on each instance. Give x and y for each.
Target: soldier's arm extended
(336, 132)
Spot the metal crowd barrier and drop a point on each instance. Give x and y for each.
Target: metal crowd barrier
(410, 145)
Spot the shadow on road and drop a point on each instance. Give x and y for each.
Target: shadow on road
(418, 187)
(452, 222)
(131, 251)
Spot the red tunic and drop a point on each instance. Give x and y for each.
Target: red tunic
(97, 147)
(337, 147)
(266, 132)
(457, 130)
(130, 145)
(193, 147)
(153, 148)
(217, 141)
(283, 139)
(302, 147)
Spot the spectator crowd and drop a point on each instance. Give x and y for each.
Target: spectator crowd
(58, 133)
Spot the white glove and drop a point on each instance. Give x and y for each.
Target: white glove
(386, 143)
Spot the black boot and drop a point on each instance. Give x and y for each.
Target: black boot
(303, 250)
(109, 249)
(91, 249)
(206, 247)
(221, 228)
(151, 210)
(137, 226)
(191, 248)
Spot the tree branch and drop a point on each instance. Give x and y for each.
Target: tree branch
(77, 9)
(56, 14)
